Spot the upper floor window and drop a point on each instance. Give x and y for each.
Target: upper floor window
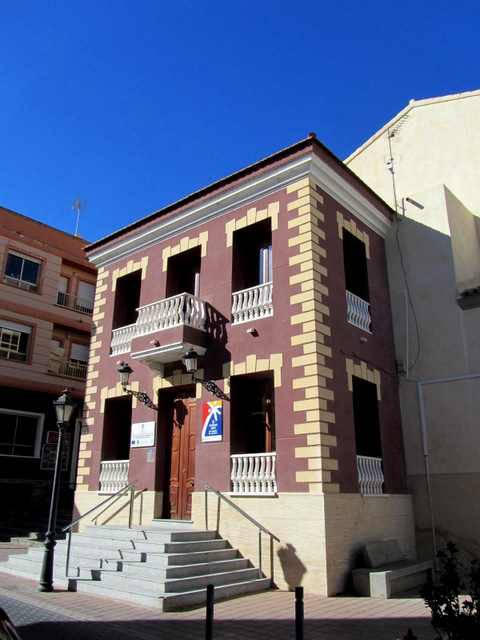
(20, 433)
(356, 281)
(127, 299)
(14, 340)
(252, 272)
(22, 272)
(183, 273)
(84, 301)
(252, 256)
(86, 297)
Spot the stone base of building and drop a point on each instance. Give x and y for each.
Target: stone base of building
(321, 536)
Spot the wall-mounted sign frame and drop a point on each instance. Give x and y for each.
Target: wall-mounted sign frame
(143, 434)
(212, 421)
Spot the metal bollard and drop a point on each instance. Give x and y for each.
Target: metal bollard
(299, 615)
(209, 613)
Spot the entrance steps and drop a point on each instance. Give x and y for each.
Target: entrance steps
(167, 565)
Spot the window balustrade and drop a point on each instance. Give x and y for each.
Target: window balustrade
(113, 475)
(254, 474)
(253, 303)
(370, 475)
(358, 312)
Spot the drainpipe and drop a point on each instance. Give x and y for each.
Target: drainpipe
(423, 423)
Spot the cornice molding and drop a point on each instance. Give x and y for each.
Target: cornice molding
(245, 193)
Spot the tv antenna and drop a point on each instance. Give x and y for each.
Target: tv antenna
(78, 206)
(391, 133)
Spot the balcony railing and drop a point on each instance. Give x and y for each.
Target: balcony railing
(370, 474)
(122, 339)
(67, 368)
(358, 312)
(171, 312)
(251, 304)
(113, 475)
(183, 309)
(74, 302)
(254, 474)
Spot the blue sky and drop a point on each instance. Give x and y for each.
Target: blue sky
(134, 104)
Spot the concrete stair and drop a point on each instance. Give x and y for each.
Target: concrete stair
(167, 565)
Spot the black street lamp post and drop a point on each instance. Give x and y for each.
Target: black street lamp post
(64, 408)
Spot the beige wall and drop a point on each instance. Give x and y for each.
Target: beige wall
(433, 254)
(438, 142)
(320, 535)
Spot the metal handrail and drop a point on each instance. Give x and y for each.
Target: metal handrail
(243, 513)
(113, 498)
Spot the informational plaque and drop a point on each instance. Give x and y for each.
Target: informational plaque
(143, 434)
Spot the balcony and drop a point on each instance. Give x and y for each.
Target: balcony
(122, 339)
(254, 474)
(253, 303)
(370, 475)
(67, 368)
(358, 312)
(176, 322)
(113, 475)
(74, 302)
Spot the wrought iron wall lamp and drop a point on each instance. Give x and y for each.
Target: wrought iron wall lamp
(125, 372)
(190, 361)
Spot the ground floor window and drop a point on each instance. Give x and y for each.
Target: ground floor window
(20, 433)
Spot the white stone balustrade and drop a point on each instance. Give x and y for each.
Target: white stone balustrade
(370, 474)
(171, 312)
(254, 474)
(358, 312)
(122, 339)
(251, 304)
(113, 475)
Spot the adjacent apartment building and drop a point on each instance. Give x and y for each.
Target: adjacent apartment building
(47, 289)
(426, 162)
(276, 278)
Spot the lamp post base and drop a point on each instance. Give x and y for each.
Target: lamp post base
(46, 576)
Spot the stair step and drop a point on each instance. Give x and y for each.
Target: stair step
(183, 571)
(152, 534)
(191, 599)
(192, 557)
(172, 601)
(165, 565)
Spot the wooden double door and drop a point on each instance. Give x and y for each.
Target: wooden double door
(182, 458)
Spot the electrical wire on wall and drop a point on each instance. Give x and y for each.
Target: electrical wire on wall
(409, 302)
(390, 162)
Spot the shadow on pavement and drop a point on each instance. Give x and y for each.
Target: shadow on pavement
(386, 629)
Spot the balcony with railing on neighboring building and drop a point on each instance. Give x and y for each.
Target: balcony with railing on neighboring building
(70, 301)
(358, 312)
(253, 303)
(253, 474)
(370, 475)
(67, 368)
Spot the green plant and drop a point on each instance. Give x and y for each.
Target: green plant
(452, 618)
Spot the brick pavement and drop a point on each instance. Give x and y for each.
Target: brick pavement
(62, 615)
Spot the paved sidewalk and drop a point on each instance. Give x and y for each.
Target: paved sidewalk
(62, 615)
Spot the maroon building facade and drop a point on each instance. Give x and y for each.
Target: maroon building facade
(276, 278)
